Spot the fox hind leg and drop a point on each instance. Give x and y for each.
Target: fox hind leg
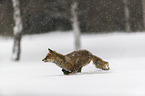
(77, 68)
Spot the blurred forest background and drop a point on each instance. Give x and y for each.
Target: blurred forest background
(39, 16)
(71, 22)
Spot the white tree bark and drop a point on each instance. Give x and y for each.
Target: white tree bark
(75, 25)
(127, 16)
(17, 30)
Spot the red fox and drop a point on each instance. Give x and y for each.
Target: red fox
(74, 61)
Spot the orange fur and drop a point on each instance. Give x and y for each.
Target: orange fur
(74, 61)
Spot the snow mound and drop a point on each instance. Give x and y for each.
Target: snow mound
(31, 77)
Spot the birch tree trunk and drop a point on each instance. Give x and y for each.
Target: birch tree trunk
(75, 24)
(17, 30)
(127, 16)
(143, 8)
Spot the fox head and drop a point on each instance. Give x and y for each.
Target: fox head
(102, 65)
(50, 56)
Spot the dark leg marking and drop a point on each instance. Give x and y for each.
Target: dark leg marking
(80, 69)
(65, 72)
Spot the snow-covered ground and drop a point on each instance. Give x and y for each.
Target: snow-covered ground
(31, 77)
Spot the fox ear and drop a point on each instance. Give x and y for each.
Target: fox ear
(50, 50)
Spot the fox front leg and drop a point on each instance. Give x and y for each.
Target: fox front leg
(65, 72)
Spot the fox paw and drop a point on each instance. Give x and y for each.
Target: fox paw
(65, 72)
